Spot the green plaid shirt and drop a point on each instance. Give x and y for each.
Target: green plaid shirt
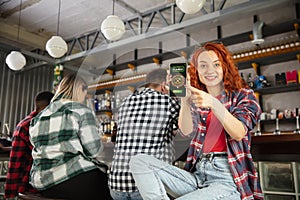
(65, 142)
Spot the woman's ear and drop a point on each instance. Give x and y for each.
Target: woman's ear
(164, 88)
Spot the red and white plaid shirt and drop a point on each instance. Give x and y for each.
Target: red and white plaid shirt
(17, 178)
(244, 106)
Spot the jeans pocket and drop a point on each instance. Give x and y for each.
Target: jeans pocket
(221, 164)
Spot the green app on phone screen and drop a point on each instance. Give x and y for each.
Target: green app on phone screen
(177, 84)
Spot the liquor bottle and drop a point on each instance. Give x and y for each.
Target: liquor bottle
(114, 129)
(108, 127)
(250, 80)
(101, 126)
(103, 102)
(96, 104)
(113, 102)
(243, 79)
(107, 102)
(118, 101)
(104, 126)
(100, 102)
(242, 76)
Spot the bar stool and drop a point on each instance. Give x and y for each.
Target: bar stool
(31, 196)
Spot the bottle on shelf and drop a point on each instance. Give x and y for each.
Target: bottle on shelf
(242, 76)
(103, 102)
(250, 81)
(107, 128)
(96, 103)
(114, 129)
(102, 125)
(100, 102)
(107, 102)
(243, 79)
(118, 101)
(297, 130)
(113, 102)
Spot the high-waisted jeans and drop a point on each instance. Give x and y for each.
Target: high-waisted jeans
(116, 195)
(211, 180)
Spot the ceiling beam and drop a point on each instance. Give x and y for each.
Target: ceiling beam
(208, 19)
(128, 7)
(17, 8)
(10, 32)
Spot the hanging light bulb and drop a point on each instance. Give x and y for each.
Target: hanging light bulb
(113, 27)
(56, 46)
(190, 6)
(15, 60)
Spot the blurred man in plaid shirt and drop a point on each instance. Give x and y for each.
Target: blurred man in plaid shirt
(17, 178)
(147, 123)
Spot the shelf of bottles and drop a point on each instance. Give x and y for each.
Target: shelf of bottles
(275, 117)
(107, 102)
(105, 107)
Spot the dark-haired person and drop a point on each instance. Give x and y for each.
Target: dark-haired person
(66, 144)
(219, 113)
(20, 161)
(147, 123)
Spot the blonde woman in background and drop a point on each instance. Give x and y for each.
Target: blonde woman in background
(65, 146)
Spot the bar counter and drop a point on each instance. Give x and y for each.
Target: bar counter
(281, 148)
(267, 147)
(4, 153)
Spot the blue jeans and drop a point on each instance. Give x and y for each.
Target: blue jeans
(117, 195)
(212, 179)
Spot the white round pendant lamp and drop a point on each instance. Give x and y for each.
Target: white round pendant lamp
(113, 28)
(56, 47)
(15, 60)
(190, 6)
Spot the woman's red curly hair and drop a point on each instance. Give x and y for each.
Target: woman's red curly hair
(231, 78)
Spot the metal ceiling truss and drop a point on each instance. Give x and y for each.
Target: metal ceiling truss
(81, 46)
(88, 41)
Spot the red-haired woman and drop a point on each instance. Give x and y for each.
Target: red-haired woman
(218, 112)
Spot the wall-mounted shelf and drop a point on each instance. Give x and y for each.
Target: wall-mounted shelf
(270, 59)
(116, 86)
(103, 111)
(106, 111)
(282, 148)
(283, 120)
(278, 89)
(269, 30)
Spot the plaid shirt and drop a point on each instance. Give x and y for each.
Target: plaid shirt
(20, 160)
(244, 106)
(146, 122)
(65, 142)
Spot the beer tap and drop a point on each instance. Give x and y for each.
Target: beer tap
(277, 131)
(258, 131)
(297, 130)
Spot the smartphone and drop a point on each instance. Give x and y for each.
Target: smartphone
(178, 79)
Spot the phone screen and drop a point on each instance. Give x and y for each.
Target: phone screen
(177, 84)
